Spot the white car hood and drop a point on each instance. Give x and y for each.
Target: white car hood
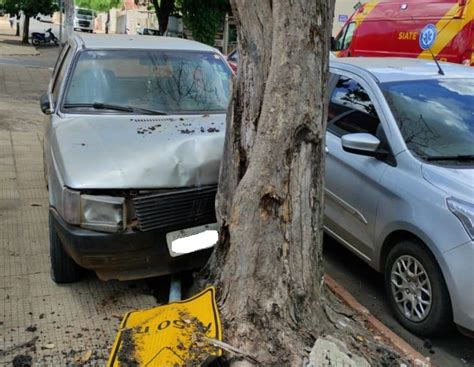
(146, 152)
(458, 182)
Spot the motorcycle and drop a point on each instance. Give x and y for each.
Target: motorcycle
(38, 38)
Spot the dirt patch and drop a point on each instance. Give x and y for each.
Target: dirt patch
(127, 351)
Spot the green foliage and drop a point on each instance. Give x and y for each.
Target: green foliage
(203, 17)
(29, 7)
(98, 5)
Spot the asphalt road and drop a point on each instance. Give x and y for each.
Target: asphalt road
(451, 350)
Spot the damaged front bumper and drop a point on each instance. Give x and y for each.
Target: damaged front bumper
(127, 255)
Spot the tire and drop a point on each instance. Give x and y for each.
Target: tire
(436, 317)
(63, 268)
(35, 42)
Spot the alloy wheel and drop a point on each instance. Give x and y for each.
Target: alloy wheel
(411, 288)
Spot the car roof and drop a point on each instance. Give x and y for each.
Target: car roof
(125, 41)
(392, 69)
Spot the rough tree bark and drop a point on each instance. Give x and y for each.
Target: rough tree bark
(26, 29)
(268, 266)
(69, 18)
(18, 17)
(163, 10)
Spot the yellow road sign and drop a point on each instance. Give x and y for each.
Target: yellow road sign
(169, 335)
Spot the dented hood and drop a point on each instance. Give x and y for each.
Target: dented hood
(146, 152)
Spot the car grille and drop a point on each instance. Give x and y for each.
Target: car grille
(83, 23)
(176, 209)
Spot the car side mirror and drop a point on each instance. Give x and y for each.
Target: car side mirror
(362, 144)
(45, 105)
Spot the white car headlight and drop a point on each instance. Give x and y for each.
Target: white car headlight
(464, 211)
(102, 213)
(95, 212)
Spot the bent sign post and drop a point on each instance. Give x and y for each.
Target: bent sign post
(169, 335)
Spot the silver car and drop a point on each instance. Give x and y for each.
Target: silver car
(400, 182)
(134, 138)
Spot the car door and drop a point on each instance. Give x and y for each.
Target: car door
(54, 89)
(352, 181)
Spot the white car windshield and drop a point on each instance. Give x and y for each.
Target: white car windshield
(84, 13)
(435, 117)
(168, 81)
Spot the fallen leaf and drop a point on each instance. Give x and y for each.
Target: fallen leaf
(117, 316)
(49, 345)
(86, 356)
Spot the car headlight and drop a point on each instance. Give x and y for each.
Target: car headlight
(464, 211)
(95, 212)
(102, 213)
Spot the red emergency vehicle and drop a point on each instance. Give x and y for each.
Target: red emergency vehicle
(392, 28)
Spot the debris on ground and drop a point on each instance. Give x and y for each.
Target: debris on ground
(329, 351)
(22, 360)
(29, 343)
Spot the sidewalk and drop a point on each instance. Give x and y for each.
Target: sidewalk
(10, 45)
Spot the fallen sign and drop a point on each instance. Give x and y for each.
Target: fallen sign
(175, 334)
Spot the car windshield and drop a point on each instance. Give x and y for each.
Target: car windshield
(435, 117)
(84, 12)
(168, 81)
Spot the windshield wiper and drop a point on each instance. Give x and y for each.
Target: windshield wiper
(113, 107)
(148, 112)
(459, 157)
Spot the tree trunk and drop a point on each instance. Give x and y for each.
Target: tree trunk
(163, 12)
(26, 29)
(69, 18)
(268, 266)
(17, 27)
(107, 23)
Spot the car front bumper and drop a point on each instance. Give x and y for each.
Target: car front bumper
(460, 267)
(124, 256)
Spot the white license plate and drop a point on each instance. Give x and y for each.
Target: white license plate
(186, 241)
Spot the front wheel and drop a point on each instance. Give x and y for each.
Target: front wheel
(416, 289)
(63, 268)
(35, 42)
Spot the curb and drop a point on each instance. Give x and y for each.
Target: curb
(400, 345)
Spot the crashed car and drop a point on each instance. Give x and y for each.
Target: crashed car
(134, 138)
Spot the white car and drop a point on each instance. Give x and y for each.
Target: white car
(134, 139)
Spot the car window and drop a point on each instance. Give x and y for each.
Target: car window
(61, 72)
(351, 110)
(160, 80)
(344, 39)
(435, 117)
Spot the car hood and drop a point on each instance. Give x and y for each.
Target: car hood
(458, 182)
(124, 152)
